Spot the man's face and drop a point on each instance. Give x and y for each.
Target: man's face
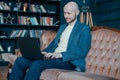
(69, 15)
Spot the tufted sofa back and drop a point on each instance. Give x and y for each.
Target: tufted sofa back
(104, 55)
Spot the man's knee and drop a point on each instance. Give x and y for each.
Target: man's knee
(20, 60)
(38, 63)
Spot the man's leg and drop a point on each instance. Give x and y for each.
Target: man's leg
(19, 68)
(38, 66)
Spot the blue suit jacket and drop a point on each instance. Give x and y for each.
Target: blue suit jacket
(78, 45)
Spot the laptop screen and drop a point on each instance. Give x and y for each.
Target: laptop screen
(29, 47)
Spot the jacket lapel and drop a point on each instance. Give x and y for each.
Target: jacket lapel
(76, 28)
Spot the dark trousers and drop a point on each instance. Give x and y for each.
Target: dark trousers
(26, 69)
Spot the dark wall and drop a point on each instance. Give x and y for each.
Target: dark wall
(104, 12)
(62, 3)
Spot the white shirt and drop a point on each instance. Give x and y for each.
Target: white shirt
(62, 45)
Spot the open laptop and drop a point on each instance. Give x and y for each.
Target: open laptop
(29, 47)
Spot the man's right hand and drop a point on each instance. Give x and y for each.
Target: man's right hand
(47, 55)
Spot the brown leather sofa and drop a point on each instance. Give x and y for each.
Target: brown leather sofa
(103, 59)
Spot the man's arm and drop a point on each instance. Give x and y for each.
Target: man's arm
(80, 45)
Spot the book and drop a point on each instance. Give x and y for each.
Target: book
(43, 9)
(19, 33)
(33, 8)
(38, 8)
(1, 19)
(34, 21)
(14, 33)
(32, 33)
(48, 21)
(1, 8)
(24, 33)
(1, 48)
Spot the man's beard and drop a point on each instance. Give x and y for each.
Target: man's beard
(71, 21)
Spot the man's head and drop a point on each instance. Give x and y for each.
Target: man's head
(71, 11)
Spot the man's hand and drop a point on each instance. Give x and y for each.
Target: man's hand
(56, 55)
(47, 55)
(52, 55)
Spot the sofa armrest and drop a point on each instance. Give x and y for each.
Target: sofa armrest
(59, 74)
(51, 74)
(4, 70)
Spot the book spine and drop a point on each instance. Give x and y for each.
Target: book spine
(1, 48)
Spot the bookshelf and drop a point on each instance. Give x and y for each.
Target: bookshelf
(21, 18)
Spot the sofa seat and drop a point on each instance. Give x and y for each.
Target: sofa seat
(102, 61)
(59, 74)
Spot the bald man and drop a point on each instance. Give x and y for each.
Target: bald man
(67, 51)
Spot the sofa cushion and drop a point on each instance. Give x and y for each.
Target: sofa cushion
(72, 76)
(51, 74)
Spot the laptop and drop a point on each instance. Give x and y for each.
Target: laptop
(29, 47)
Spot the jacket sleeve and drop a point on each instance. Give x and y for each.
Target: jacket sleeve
(53, 45)
(80, 45)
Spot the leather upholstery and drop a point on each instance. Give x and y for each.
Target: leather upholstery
(102, 60)
(104, 55)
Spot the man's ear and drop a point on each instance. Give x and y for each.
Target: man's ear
(77, 12)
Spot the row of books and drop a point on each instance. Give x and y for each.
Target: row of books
(17, 6)
(18, 33)
(25, 33)
(38, 8)
(4, 6)
(48, 21)
(13, 6)
(24, 20)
